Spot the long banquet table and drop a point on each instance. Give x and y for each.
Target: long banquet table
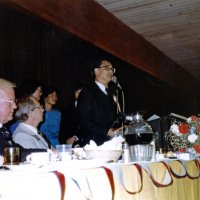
(97, 180)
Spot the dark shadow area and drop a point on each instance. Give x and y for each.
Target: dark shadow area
(31, 48)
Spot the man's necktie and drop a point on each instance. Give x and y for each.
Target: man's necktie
(45, 138)
(6, 134)
(109, 93)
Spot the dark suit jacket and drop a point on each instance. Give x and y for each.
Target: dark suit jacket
(6, 141)
(96, 114)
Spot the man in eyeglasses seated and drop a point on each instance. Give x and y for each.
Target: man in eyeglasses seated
(30, 87)
(96, 107)
(30, 114)
(7, 107)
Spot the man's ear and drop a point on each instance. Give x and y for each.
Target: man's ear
(24, 116)
(96, 71)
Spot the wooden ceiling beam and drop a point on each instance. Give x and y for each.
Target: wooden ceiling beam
(91, 22)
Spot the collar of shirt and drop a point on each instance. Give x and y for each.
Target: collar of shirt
(1, 125)
(102, 87)
(31, 127)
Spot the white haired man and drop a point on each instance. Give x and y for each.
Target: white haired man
(7, 107)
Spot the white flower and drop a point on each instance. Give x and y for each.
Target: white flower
(192, 138)
(189, 120)
(175, 130)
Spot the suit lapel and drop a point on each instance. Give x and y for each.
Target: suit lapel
(37, 137)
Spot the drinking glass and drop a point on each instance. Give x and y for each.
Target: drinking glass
(11, 155)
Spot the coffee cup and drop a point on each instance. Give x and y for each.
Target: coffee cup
(11, 155)
(38, 158)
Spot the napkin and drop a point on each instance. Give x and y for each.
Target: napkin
(113, 144)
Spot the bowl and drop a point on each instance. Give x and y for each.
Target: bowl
(109, 155)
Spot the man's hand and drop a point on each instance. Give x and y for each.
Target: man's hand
(114, 132)
(71, 140)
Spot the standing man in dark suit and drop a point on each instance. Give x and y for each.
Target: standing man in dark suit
(7, 107)
(96, 107)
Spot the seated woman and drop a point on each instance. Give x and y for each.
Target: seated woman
(29, 114)
(52, 116)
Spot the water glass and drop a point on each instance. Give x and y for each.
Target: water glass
(64, 152)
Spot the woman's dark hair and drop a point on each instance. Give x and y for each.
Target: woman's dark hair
(46, 91)
(29, 87)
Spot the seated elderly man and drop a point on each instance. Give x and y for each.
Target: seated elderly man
(30, 114)
(7, 107)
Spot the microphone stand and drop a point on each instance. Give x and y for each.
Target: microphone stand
(119, 108)
(117, 102)
(123, 102)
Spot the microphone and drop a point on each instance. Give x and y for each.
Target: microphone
(114, 80)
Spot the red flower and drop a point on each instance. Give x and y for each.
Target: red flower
(184, 128)
(198, 129)
(194, 118)
(196, 147)
(181, 150)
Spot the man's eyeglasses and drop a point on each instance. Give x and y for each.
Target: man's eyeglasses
(40, 106)
(9, 101)
(107, 68)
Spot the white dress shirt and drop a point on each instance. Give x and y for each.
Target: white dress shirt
(102, 87)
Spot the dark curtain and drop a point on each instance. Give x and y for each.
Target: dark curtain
(32, 48)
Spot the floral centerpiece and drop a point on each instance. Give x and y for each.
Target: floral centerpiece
(184, 136)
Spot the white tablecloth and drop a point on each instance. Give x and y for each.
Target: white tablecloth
(97, 180)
